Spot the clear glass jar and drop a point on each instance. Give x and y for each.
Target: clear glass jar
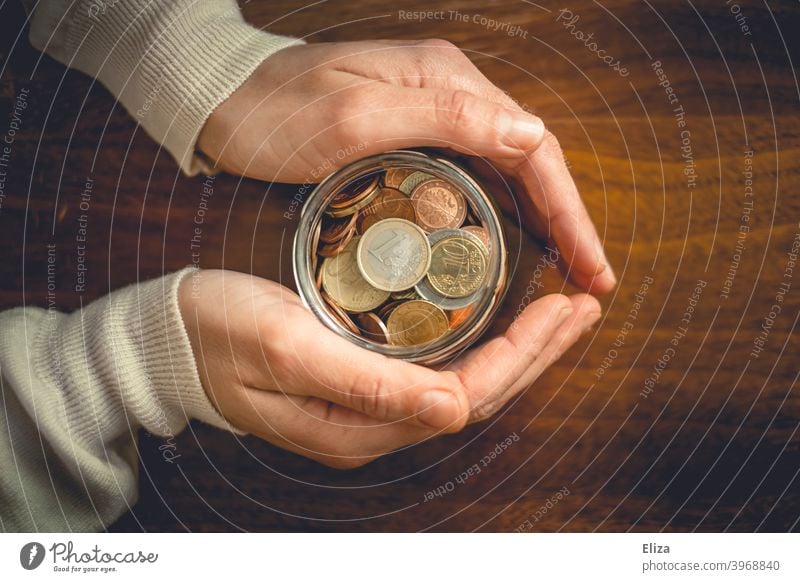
(487, 297)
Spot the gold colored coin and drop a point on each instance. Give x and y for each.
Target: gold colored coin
(338, 313)
(343, 282)
(416, 322)
(458, 266)
(412, 181)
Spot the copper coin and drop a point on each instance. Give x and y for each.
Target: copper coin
(355, 207)
(334, 248)
(338, 313)
(365, 221)
(372, 327)
(395, 176)
(314, 245)
(390, 203)
(482, 234)
(438, 205)
(318, 278)
(334, 229)
(354, 191)
(459, 316)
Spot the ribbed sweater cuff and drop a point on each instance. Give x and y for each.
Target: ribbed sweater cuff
(168, 357)
(169, 63)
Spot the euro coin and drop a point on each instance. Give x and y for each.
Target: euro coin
(458, 266)
(416, 322)
(393, 254)
(354, 197)
(438, 205)
(343, 282)
(390, 203)
(412, 181)
(482, 234)
(394, 177)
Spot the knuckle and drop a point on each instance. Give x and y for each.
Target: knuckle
(455, 109)
(342, 115)
(482, 412)
(348, 115)
(371, 394)
(555, 302)
(439, 44)
(342, 456)
(532, 347)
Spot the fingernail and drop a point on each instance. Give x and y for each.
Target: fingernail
(565, 313)
(520, 130)
(603, 265)
(589, 320)
(438, 408)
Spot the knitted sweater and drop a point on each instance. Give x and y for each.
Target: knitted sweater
(76, 388)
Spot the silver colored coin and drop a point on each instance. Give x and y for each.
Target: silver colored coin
(393, 254)
(427, 292)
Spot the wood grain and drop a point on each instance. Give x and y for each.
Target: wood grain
(713, 447)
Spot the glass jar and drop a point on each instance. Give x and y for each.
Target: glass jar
(352, 184)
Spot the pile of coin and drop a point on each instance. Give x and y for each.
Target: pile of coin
(400, 257)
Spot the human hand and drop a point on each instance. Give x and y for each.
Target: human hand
(310, 109)
(272, 369)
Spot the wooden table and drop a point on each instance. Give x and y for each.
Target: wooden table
(643, 425)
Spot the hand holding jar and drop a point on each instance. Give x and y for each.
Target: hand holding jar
(272, 366)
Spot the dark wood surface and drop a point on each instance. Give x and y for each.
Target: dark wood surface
(713, 447)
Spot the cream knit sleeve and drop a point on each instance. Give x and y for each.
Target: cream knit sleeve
(169, 62)
(75, 390)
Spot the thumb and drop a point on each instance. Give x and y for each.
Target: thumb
(456, 119)
(384, 388)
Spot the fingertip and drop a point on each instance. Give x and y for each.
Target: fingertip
(558, 303)
(600, 283)
(441, 409)
(583, 302)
